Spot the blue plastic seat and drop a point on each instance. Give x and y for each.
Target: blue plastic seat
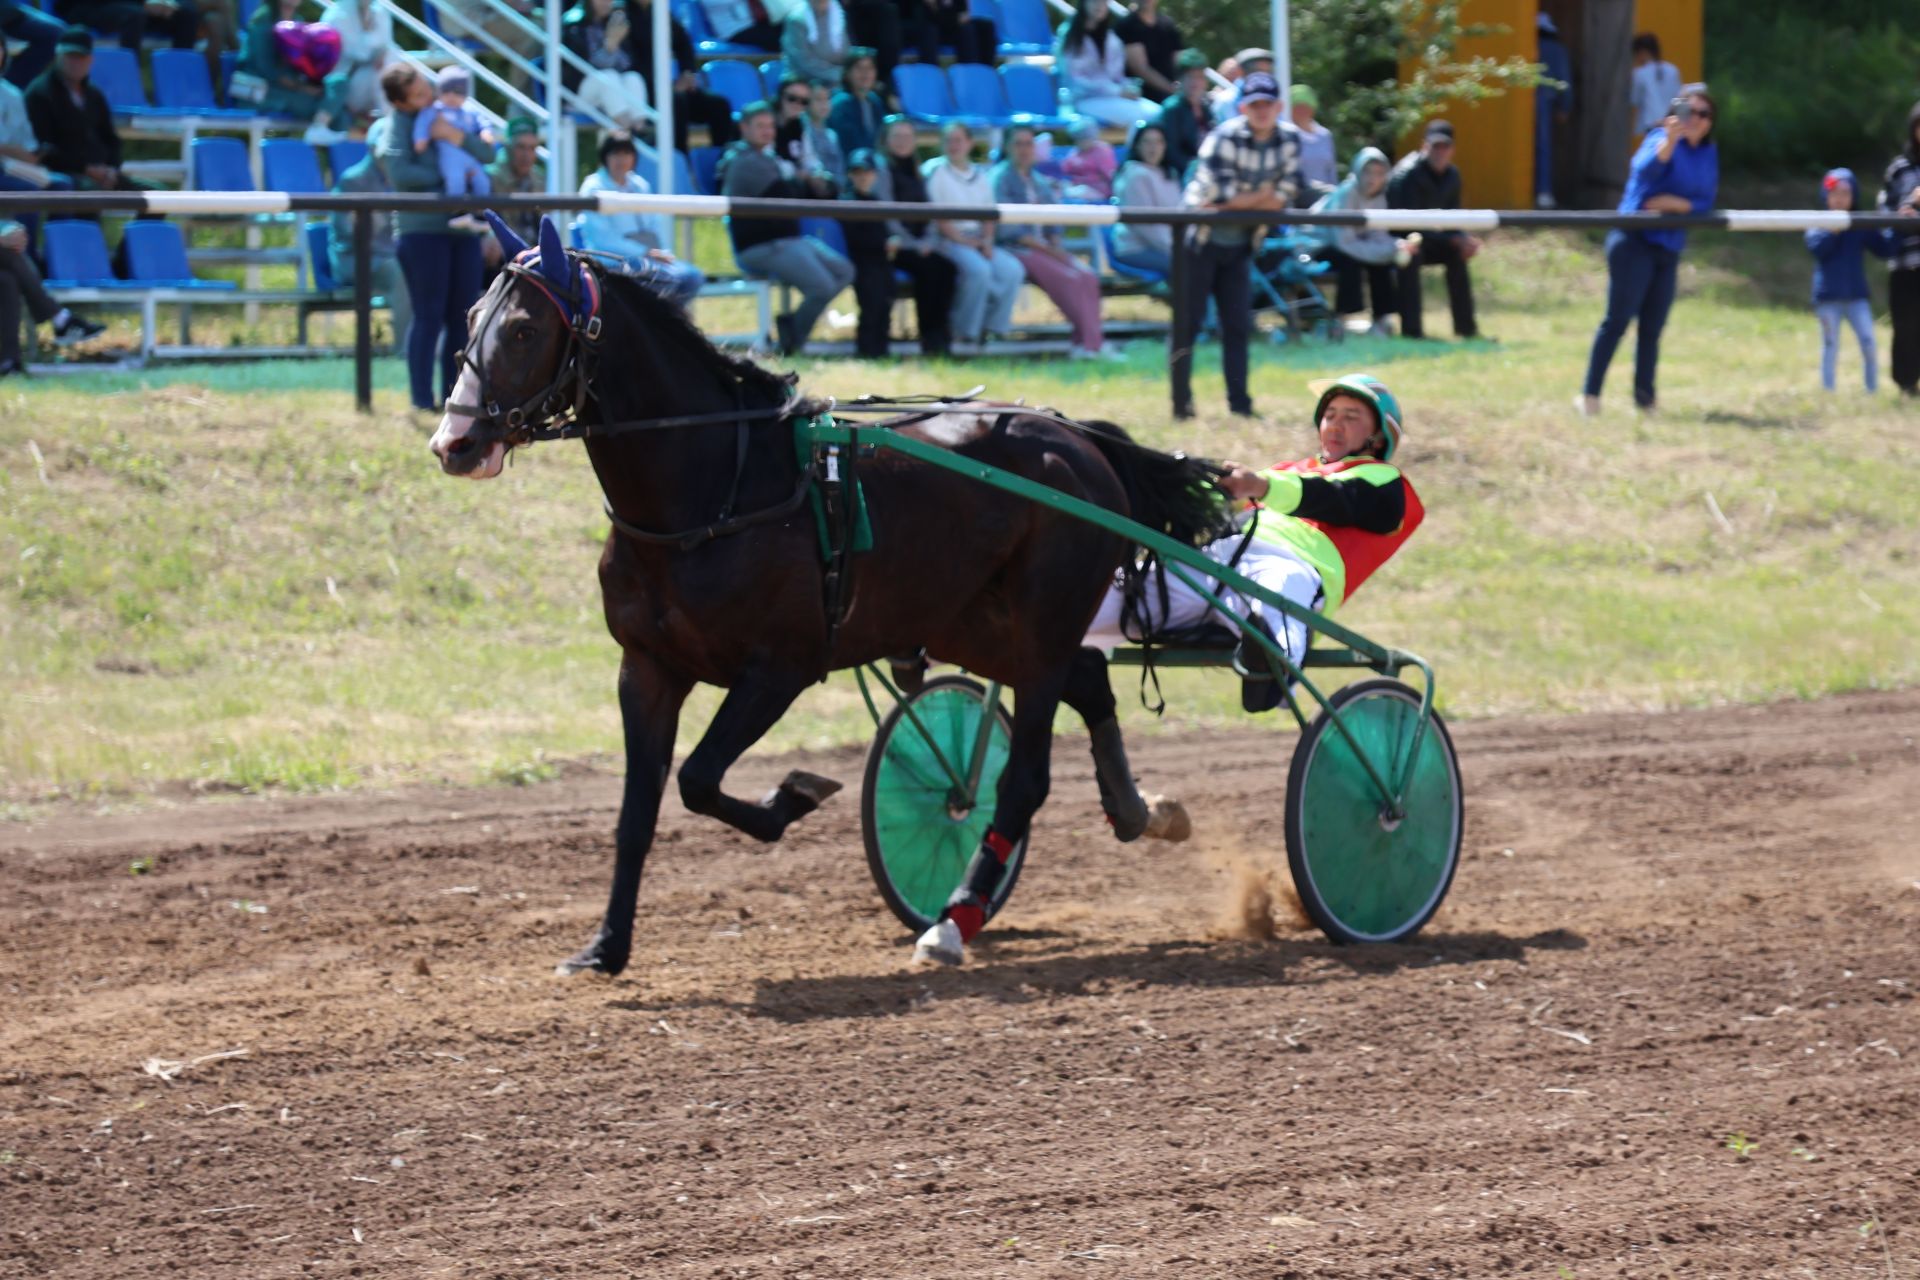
(219, 164)
(229, 59)
(1031, 93)
(342, 156)
(315, 236)
(923, 90)
(977, 92)
(290, 165)
(827, 230)
(705, 42)
(182, 86)
(77, 256)
(1024, 28)
(737, 82)
(157, 258)
(771, 74)
(704, 163)
(116, 73)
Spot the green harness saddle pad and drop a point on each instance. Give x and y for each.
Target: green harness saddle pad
(823, 461)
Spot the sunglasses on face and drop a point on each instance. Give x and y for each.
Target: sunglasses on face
(799, 100)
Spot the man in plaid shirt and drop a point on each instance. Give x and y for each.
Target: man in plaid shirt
(1250, 162)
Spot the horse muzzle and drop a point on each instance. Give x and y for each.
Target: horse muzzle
(463, 453)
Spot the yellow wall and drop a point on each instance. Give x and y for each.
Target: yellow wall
(1682, 28)
(1494, 139)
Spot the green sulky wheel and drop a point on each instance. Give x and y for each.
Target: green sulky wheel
(1363, 875)
(919, 835)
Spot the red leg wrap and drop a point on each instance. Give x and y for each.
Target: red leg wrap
(970, 918)
(998, 845)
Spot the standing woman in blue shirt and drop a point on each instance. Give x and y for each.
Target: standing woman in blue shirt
(1677, 170)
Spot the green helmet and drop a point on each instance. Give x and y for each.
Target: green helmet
(1364, 386)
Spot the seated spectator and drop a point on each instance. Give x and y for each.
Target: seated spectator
(1072, 284)
(746, 22)
(1093, 65)
(70, 117)
(692, 104)
(814, 42)
(1153, 46)
(1226, 98)
(874, 28)
(989, 278)
(1187, 117)
(1319, 166)
(20, 153)
(37, 30)
(859, 107)
(1358, 254)
(802, 137)
(1090, 166)
(265, 79)
(637, 240)
(600, 35)
(130, 21)
(820, 149)
(1148, 180)
(21, 285)
(524, 33)
(1427, 179)
(915, 244)
(366, 177)
(366, 42)
(773, 247)
(926, 25)
(518, 172)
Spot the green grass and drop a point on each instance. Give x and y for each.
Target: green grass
(229, 579)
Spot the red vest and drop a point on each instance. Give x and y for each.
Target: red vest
(1362, 552)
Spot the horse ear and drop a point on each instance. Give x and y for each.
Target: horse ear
(511, 244)
(554, 264)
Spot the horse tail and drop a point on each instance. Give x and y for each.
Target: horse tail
(1169, 493)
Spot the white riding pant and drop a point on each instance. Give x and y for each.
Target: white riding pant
(1274, 568)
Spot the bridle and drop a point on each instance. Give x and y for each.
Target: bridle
(544, 414)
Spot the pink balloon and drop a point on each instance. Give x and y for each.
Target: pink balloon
(308, 47)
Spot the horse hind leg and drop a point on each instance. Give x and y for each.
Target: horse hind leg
(1090, 693)
(750, 708)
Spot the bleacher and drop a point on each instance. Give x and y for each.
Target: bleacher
(190, 134)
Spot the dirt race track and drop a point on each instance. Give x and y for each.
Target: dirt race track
(1665, 1025)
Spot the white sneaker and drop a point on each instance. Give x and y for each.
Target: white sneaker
(320, 135)
(1110, 351)
(941, 945)
(1587, 406)
(1546, 202)
(1383, 328)
(1082, 353)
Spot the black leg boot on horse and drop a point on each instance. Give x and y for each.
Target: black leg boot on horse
(1132, 815)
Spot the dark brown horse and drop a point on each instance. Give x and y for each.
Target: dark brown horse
(713, 572)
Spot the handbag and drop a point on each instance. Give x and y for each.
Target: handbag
(247, 87)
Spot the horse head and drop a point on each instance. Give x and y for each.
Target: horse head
(526, 362)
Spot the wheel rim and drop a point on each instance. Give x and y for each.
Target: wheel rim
(925, 844)
(1378, 875)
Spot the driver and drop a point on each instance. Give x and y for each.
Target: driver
(1310, 531)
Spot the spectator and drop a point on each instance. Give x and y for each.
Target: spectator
(925, 25)
(21, 154)
(524, 32)
(1090, 166)
(1072, 284)
(1226, 100)
(745, 22)
(858, 108)
(1148, 180)
(638, 240)
(1093, 65)
(460, 173)
(987, 280)
(518, 172)
(814, 42)
(442, 266)
(692, 104)
(1361, 256)
(619, 48)
(129, 21)
(1319, 166)
(1840, 278)
(1655, 84)
(1676, 170)
(1900, 193)
(366, 43)
(1153, 45)
(34, 28)
(916, 244)
(871, 250)
(1553, 107)
(1252, 162)
(366, 177)
(264, 78)
(874, 27)
(1426, 179)
(794, 136)
(819, 148)
(73, 122)
(1187, 117)
(774, 247)
(21, 286)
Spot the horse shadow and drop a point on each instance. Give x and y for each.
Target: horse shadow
(1068, 970)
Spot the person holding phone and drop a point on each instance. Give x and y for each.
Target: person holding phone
(1676, 170)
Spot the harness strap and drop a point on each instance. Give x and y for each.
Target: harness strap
(688, 539)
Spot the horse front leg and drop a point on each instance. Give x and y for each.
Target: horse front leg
(752, 706)
(1024, 783)
(650, 699)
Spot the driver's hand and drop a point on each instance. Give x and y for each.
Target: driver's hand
(1242, 483)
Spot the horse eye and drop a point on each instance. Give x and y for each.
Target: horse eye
(523, 333)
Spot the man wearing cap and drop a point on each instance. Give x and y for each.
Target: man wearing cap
(72, 120)
(518, 172)
(1426, 179)
(1319, 167)
(1251, 162)
(1226, 101)
(1187, 117)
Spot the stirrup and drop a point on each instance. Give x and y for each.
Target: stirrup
(909, 670)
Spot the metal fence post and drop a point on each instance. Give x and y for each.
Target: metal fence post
(363, 310)
(1179, 347)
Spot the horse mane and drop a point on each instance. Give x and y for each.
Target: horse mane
(661, 317)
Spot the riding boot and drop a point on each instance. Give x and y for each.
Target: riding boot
(1260, 688)
(1119, 796)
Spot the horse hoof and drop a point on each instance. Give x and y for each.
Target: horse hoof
(941, 945)
(1167, 819)
(590, 959)
(810, 789)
